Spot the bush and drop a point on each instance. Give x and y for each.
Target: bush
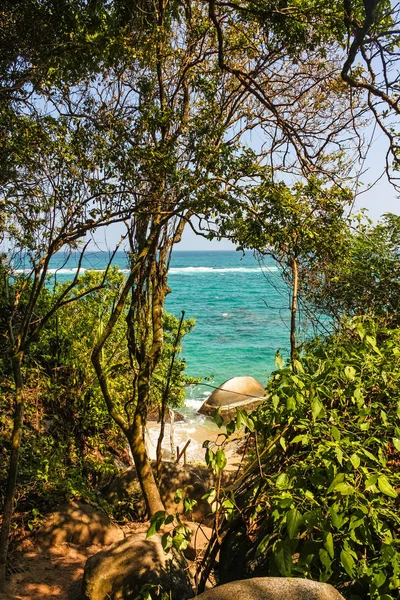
(321, 501)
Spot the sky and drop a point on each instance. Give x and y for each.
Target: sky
(379, 199)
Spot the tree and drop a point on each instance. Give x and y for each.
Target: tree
(346, 50)
(54, 198)
(299, 228)
(364, 276)
(180, 152)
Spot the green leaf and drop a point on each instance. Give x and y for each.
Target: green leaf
(335, 433)
(283, 559)
(396, 443)
(166, 542)
(279, 362)
(338, 519)
(325, 559)
(371, 481)
(350, 373)
(386, 488)
(355, 460)
(379, 579)
(329, 544)
(220, 460)
(294, 519)
(345, 489)
(178, 495)
(316, 408)
(338, 479)
(282, 481)
(347, 562)
(156, 522)
(218, 419)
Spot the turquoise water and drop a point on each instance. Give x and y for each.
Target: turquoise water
(240, 310)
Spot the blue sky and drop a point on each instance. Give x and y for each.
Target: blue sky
(379, 199)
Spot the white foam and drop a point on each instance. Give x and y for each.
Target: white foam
(55, 271)
(188, 270)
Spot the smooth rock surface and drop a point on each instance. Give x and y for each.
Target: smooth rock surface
(239, 392)
(272, 588)
(80, 524)
(120, 571)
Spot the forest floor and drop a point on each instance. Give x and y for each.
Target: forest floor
(54, 574)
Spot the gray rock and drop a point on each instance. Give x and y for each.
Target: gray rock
(245, 393)
(79, 524)
(120, 571)
(272, 588)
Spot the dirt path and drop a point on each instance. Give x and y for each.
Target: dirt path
(54, 574)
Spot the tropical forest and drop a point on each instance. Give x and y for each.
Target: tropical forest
(199, 299)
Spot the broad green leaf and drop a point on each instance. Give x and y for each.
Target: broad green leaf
(338, 479)
(325, 559)
(347, 562)
(294, 519)
(282, 481)
(344, 488)
(156, 521)
(371, 481)
(379, 579)
(335, 433)
(355, 460)
(329, 544)
(316, 407)
(218, 419)
(220, 460)
(350, 373)
(396, 444)
(386, 488)
(283, 559)
(338, 519)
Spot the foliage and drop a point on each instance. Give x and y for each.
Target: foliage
(321, 497)
(72, 446)
(363, 277)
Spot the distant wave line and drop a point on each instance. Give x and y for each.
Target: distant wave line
(172, 270)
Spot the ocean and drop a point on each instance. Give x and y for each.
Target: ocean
(240, 309)
(242, 319)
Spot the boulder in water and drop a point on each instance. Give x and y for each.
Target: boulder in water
(244, 393)
(273, 588)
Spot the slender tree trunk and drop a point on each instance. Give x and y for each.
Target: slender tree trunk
(13, 467)
(144, 471)
(164, 402)
(293, 310)
(172, 434)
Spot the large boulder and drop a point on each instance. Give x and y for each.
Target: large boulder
(79, 524)
(121, 571)
(273, 588)
(245, 393)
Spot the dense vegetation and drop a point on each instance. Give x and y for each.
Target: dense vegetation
(72, 447)
(140, 114)
(321, 500)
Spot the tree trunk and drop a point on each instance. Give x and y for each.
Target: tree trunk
(13, 467)
(144, 471)
(293, 310)
(165, 398)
